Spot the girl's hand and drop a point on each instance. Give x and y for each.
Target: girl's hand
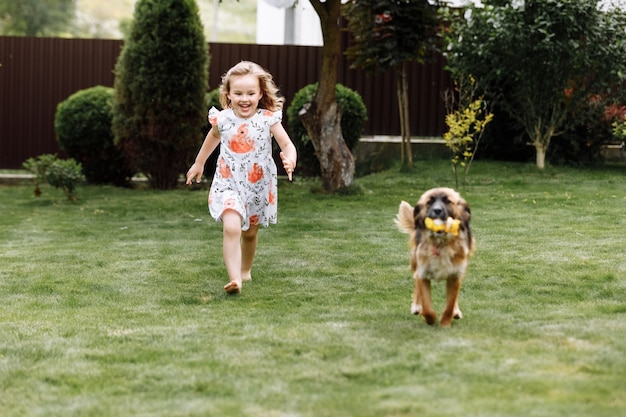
(289, 165)
(195, 171)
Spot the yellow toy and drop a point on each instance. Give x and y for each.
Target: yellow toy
(437, 225)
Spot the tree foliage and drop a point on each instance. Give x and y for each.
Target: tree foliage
(160, 84)
(386, 35)
(541, 60)
(36, 17)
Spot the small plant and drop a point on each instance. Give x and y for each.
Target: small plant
(466, 125)
(59, 173)
(619, 129)
(38, 167)
(65, 174)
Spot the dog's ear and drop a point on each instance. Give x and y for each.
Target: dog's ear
(418, 217)
(466, 216)
(465, 212)
(419, 222)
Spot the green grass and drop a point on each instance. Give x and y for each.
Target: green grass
(113, 306)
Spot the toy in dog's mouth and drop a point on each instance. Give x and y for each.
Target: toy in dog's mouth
(439, 226)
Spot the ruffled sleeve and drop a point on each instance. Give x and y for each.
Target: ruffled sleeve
(213, 112)
(276, 117)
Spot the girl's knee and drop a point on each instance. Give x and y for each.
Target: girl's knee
(251, 233)
(232, 222)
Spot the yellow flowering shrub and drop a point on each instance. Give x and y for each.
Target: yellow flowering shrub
(466, 126)
(619, 129)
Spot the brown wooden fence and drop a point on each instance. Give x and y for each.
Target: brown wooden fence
(38, 73)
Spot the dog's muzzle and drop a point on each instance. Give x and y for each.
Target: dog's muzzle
(438, 211)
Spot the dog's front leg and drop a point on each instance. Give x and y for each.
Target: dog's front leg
(416, 305)
(423, 286)
(458, 314)
(453, 286)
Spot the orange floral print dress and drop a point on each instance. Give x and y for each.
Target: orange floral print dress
(245, 178)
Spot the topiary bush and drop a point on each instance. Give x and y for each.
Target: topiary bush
(353, 117)
(160, 84)
(82, 124)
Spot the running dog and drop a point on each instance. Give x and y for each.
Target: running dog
(441, 243)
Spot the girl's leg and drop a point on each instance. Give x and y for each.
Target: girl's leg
(232, 249)
(249, 239)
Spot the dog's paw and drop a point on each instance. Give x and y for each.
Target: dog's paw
(416, 309)
(457, 313)
(431, 317)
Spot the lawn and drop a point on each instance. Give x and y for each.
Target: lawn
(113, 305)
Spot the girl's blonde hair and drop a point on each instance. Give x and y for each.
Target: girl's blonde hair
(271, 99)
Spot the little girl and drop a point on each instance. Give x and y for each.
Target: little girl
(243, 191)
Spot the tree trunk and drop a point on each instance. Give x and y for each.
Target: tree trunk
(336, 161)
(541, 135)
(406, 154)
(322, 118)
(540, 149)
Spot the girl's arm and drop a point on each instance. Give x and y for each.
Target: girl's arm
(289, 155)
(211, 141)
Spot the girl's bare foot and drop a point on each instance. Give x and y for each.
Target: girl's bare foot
(246, 276)
(232, 287)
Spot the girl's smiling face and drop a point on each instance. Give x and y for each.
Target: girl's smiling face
(244, 94)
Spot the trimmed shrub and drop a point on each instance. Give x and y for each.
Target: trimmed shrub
(160, 83)
(83, 129)
(354, 115)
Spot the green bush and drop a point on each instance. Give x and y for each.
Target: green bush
(212, 99)
(354, 115)
(65, 174)
(583, 136)
(160, 84)
(83, 129)
(59, 173)
(38, 167)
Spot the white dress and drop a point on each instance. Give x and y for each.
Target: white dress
(245, 178)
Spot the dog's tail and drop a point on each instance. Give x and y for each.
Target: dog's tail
(404, 220)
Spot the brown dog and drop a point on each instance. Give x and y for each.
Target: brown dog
(437, 255)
